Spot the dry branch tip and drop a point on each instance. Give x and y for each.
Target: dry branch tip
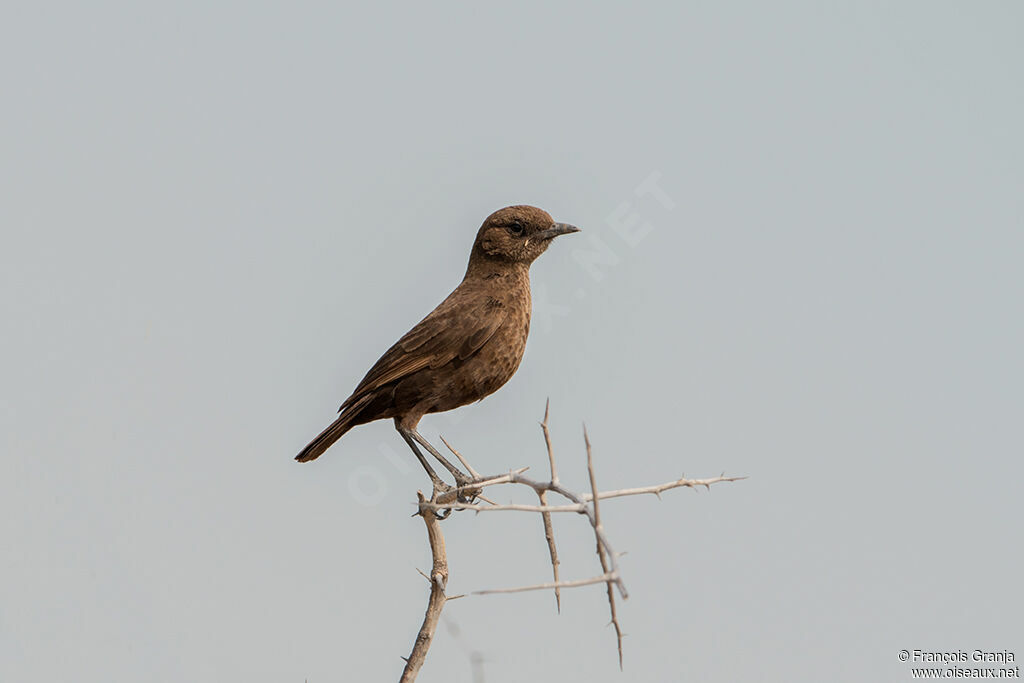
(446, 500)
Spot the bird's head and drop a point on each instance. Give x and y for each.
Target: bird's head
(517, 234)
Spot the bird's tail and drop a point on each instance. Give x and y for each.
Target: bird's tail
(315, 448)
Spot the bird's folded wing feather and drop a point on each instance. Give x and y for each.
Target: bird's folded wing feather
(457, 328)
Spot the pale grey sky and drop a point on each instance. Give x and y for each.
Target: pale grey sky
(217, 215)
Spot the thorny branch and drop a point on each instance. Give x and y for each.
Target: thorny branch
(549, 531)
(438, 581)
(586, 504)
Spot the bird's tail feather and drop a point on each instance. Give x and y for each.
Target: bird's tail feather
(351, 415)
(345, 421)
(315, 448)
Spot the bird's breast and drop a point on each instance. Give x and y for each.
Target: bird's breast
(494, 363)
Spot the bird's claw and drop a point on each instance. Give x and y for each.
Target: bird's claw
(467, 493)
(464, 492)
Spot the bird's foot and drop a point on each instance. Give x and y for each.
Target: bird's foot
(464, 492)
(467, 492)
(443, 493)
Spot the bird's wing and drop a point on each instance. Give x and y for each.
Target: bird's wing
(457, 328)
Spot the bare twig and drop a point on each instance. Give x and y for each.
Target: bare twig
(547, 441)
(549, 536)
(493, 480)
(600, 549)
(656, 490)
(584, 510)
(485, 499)
(506, 507)
(549, 530)
(604, 578)
(469, 468)
(586, 504)
(438, 581)
(587, 497)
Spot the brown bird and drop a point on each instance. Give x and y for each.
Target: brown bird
(468, 346)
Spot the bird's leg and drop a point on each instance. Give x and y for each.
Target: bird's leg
(463, 480)
(438, 483)
(460, 476)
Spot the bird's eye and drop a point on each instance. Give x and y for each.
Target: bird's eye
(516, 228)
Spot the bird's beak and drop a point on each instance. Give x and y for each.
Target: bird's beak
(556, 230)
